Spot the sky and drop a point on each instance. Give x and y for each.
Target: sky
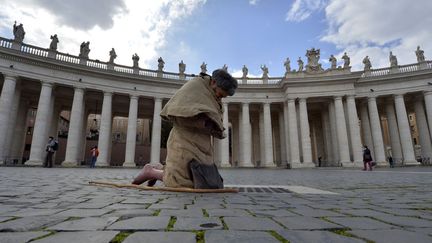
(231, 32)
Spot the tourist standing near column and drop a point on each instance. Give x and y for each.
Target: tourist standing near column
(367, 158)
(94, 154)
(51, 147)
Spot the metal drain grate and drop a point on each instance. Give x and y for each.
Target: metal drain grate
(246, 189)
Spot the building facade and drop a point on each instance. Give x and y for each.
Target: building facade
(306, 118)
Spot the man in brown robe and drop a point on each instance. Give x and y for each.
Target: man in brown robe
(196, 112)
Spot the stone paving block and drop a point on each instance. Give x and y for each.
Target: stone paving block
(392, 235)
(14, 237)
(194, 213)
(30, 223)
(305, 223)
(230, 236)
(86, 205)
(166, 206)
(129, 213)
(273, 213)
(142, 223)
(5, 218)
(426, 231)
(360, 223)
(403, 212)
(406, 221)
(205, 206)
(362, 212)
(249, 206)
(301, 236)
(80, 237)
(35, 212)
(227, 212)
(145, 200)
(315, 212)
(83, 212)
(251, 223)
(84, 224)
(184, 223)
(126, 206)
(161, 237)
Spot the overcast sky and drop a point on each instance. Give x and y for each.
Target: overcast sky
(232, 32)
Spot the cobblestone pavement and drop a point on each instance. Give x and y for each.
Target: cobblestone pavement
(304, 205)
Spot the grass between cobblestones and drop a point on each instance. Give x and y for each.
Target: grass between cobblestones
(121, 236)
(171, 223)
(13, 218)
(199, 236)
(344, 232)
(278, 236)
(205, 213)
(225, 226)
(156, 212)
(44, 236)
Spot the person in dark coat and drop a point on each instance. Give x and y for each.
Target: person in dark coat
(367, 158)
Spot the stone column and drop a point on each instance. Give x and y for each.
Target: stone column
(156, 132)
(404, 131)
(73, 143)
(225, 142)
(268, 137)
(261, 138)
(286, 126)
(6, 100)
(39, 140)
(425, 141)
(393, 131)
(366, 129)
(20, 131)
(305, 134)
(131, 132)
(333, 132)
(377, 138)
(354, 130)
(428, 105)
(293, 132)
(342, 135)
(246, 141)
(12, 123)
(327, 137)
(282, 139)
(105, 139)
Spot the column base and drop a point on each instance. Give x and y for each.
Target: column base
(129, 164)
(411, 162)
(101, 164)
(350, 164)
(297, 165)
(69, 164)
(245, 165)
(269, 165)
(225, 165)
(34, 162)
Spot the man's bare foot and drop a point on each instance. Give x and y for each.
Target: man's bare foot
(143, 175)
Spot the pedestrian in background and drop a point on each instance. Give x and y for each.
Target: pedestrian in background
(94, 154)
(367, 158)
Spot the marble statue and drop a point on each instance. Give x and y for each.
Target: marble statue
(135, 59)
(113, 55)
(265, 70)
(245, 71)
(333, 61)
(420, 54)
(393, 60)
(84, 49)
(287, 65)
(347, 60)
(54, 42)
(204, 67)
(225, 67)
(367, 63)
(161, 64)
(313, 56)
(18, 32)
(182, 67)
(300, 64)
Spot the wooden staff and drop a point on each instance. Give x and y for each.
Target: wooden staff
(168, 189)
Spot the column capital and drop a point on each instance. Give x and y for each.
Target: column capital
(158, 99)
(10, 77)
(47, 84)
(108, 93)
(245, 103)
(302, 99)
(398, 96)
(133, 96)
(427, 93)
(291, 100)
(81, 88)
(337, 97)
(351, 96)
(371, 98)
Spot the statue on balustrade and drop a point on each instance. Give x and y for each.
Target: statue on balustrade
(245, 71)
(84, 49)
(135, 59)
(182, 67)
(300, 64)
(54, 42)
(18, 32)
(225, 68)
(367, 63)
(161, 64)
(393, 60)
(287, 65)
(113, 55)
(265, 70)
(420, 54)
(333, 61)
(347, 60)
(204, 67)
(313, 57)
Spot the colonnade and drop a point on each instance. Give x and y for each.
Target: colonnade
(338, 132)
